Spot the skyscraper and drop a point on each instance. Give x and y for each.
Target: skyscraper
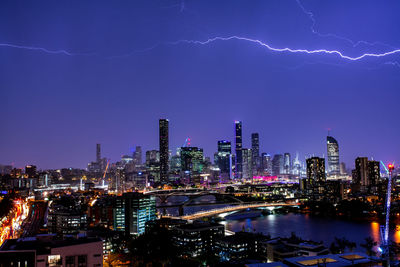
(164, 147)
(366, 174)
(287, 163)
(247, 171)
(98, 153)
(296, 168)
(277, 164)
(316, 169)
(137, 156)
(238, 149)
(315, 175)
(192, 159)
(266, 164)
(333, 156)
(192, 163)
(255, 150)
(223, 158)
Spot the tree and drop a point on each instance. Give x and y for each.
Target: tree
(369, 246)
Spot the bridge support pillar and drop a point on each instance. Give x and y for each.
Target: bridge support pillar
(180, 210)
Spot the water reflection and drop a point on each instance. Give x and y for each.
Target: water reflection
(375, 232)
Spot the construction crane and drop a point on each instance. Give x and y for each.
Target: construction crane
(104, 175)
(187, 142)
(385, 248)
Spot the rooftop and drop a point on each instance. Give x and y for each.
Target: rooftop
(44, 243)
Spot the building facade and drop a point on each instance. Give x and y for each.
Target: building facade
(333, 156)
(164, 149)
(238, 149)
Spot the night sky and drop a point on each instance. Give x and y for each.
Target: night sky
(77, 73)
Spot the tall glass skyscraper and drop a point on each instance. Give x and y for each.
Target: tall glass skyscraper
(238, 149)
(287, 163)
(98, 153)
(164, 153)
(255, 150)
(223, 157)
(333, 156)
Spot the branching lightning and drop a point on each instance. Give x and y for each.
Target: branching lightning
(290, 50)
(45, 50)
(332, 35)
(342, 55)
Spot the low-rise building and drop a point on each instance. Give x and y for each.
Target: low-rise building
(197, 238)
(48, 251)
(241, 245)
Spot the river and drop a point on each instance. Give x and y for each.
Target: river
(306, 226)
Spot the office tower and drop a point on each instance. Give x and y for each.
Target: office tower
(152, 157)
(255, 150)
(366, 174)
(296, 169)
(30, 171)
(343, 168)
(164, 150)
(277, 164)
(360, 174)
(333, 156)
(98, 154)
(238, 149)
(137, 156)
(374, 172)
(153, 165)
(316, 169)
(192, 160)
(247, 165)
(131, 212)
(287, 163)
(266, 163)
(223, 158)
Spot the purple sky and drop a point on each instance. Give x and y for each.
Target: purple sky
(122, 70)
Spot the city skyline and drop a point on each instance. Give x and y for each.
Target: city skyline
(66, 89)
(172, 150)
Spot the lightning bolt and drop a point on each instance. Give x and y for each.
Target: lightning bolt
(290, 50)
(332, 35)
(45, 50)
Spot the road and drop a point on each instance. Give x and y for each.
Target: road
(10, 225)
(35, 218)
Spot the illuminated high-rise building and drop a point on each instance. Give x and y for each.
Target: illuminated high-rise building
(333, 156)
(238, 149)
(223, 158)
(131, 212)
(164, 150)
(137, 155)
(316, 169)
(98, 153)
(366, 174)
(266, 164)
(192, 159)
(255, 150)
(30, 171)
(247, 163)
(277, 164)
(192, 163)
(296, 168)
(287, 163)
(316, 177)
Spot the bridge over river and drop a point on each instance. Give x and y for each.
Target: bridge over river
(213, 212)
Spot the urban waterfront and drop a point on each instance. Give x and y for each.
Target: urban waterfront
(306, 226)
